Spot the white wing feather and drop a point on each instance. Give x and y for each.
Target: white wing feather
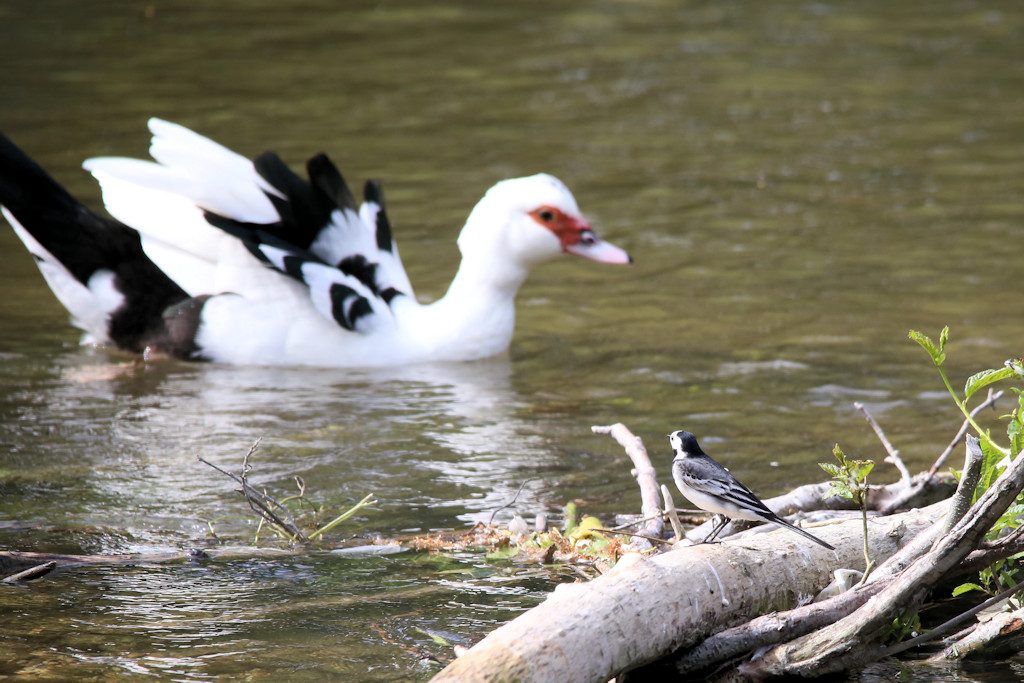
(167, 201)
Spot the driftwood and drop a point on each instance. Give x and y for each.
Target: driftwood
(18, 561)
(782, 626)
(32, 573)
(650, 503)
(1001, 635)
(855, 639)
(758, 587)
(644, 608)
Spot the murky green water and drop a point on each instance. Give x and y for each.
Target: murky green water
(799, 184)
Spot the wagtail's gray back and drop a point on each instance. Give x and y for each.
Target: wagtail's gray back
(711, 487)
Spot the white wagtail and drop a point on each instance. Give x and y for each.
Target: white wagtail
(711, 487)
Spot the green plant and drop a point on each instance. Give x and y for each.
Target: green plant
(906, 625)
(974, 382)
(1001, 574)
(850, 480)
(570, 517)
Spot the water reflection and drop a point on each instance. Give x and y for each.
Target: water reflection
(200, 621)
(412, 435)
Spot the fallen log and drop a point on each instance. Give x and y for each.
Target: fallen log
(856, 639)
(647, 607)
(1001, 635)
(31, 574)
(18, 561)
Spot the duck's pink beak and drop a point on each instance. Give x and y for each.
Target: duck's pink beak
(597, 249)
(577, 237)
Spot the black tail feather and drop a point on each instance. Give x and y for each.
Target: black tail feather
(84, 243)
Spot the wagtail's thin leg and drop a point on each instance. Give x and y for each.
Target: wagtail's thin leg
(722, 521)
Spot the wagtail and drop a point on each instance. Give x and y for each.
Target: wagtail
(711, 487)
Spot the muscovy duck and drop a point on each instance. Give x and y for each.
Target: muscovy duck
(216, 257)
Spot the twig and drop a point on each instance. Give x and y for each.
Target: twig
(626, 533)
(262, 503)
(949, 625)
(670, 508)
(409, 648)
(924, 480)
(990, 400)
(581, 573)
(638, 520)
(510, 503)
(32, 573)
(964, 495)
(650, 503)
(894, 455)
(689, 514)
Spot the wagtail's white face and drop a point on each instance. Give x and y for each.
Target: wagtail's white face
(676, 440)
(684, 444)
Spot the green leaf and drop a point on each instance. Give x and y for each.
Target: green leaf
(943, 338)
(938, 357)
(502, 553)
(570, 517)
(840, 488)
(864, 468)
(989, 467)
(1015, 430)
(983, 379)
(832, 470)
(433, 636)
(839, 455)
(966, 588)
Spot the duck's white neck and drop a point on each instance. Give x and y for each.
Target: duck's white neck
(476, 316)
(499, 245)
(487, 275)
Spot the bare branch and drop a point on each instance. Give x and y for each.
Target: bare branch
(32, 573)
(490, 519)
(894, 455)
(626, 533)
(990, 400)
(923, 481)
(260, 501)
(964, 496)
(670, 509)
(949, 625)
(650, 502)
(999, 636)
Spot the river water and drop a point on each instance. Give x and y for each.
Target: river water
(799, 184)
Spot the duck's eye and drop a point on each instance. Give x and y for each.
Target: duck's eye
(587, 237)
(546, 216)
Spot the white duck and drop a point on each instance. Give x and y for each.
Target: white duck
(245, 262)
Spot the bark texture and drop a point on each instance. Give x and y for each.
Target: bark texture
(855, 639)
(1001, 635)
(645, 608)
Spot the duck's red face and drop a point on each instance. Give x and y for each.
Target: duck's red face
(577, 237)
